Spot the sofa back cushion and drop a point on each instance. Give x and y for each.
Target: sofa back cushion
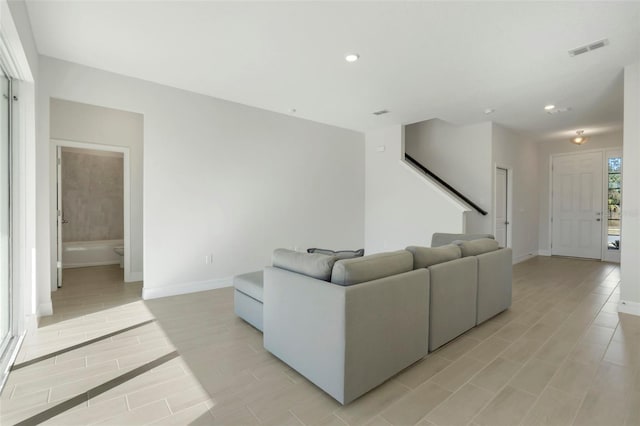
(423, 257)
(368, 268)
(440, 239)
(314, 265)
(476, 247)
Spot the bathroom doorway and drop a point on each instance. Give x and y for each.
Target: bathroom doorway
(92, 206)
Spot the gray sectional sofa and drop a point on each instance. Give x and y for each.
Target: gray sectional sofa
(349, 325)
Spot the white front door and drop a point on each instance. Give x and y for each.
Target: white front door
(502, 218)
(577, 205)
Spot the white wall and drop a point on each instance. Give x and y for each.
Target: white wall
(402, 208)
(80, 122)
(461, 155)
(518, 154)
(630, 255)
(545, 150)
(221, 178)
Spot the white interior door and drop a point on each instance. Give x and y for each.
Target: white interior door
(502, 214)
(59, 212)
(577, 205)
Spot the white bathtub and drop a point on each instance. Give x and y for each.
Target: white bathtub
(77, 254)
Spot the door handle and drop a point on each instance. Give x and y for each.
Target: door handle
(506, 223)
(598, 220)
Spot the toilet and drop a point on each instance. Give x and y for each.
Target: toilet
(120, 252)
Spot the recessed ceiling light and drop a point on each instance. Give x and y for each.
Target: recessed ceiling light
(352, 57)
(489, 111)
(557, 110)
(549, 107)
(293, 110)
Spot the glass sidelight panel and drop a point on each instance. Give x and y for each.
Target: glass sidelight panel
(614, 202)
(5, 218)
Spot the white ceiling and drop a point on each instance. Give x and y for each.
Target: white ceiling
(419, 60)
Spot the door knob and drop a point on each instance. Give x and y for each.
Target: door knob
(598, 219)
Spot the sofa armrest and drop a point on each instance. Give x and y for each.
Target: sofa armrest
(346, 340)
(302, 318)
(387, 329)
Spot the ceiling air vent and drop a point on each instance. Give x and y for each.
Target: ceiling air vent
(381, 112)
(589, 47)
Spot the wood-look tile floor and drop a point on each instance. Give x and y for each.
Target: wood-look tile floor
(562, 355)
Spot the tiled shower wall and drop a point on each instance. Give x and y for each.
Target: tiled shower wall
(92, 196)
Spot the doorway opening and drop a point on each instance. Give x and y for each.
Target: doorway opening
(92, 206)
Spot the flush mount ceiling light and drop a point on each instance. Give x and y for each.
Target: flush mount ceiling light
(351, 57)
(549, 107)
(489, 111)
(579, 139)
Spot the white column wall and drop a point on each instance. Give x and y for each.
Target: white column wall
(630, 242)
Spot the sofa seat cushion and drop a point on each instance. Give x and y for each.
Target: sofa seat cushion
(368, 268)
(440, 239)
(250, 284)
(314, 265)
(423, 257)
(476, 247)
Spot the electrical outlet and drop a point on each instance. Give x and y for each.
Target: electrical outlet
(208, 259)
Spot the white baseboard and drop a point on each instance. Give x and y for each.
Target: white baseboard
(185, 288)
(523, 257)
(87, 264)
(133, 277)
(45, 309)
(544, 252)
(627, 307)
